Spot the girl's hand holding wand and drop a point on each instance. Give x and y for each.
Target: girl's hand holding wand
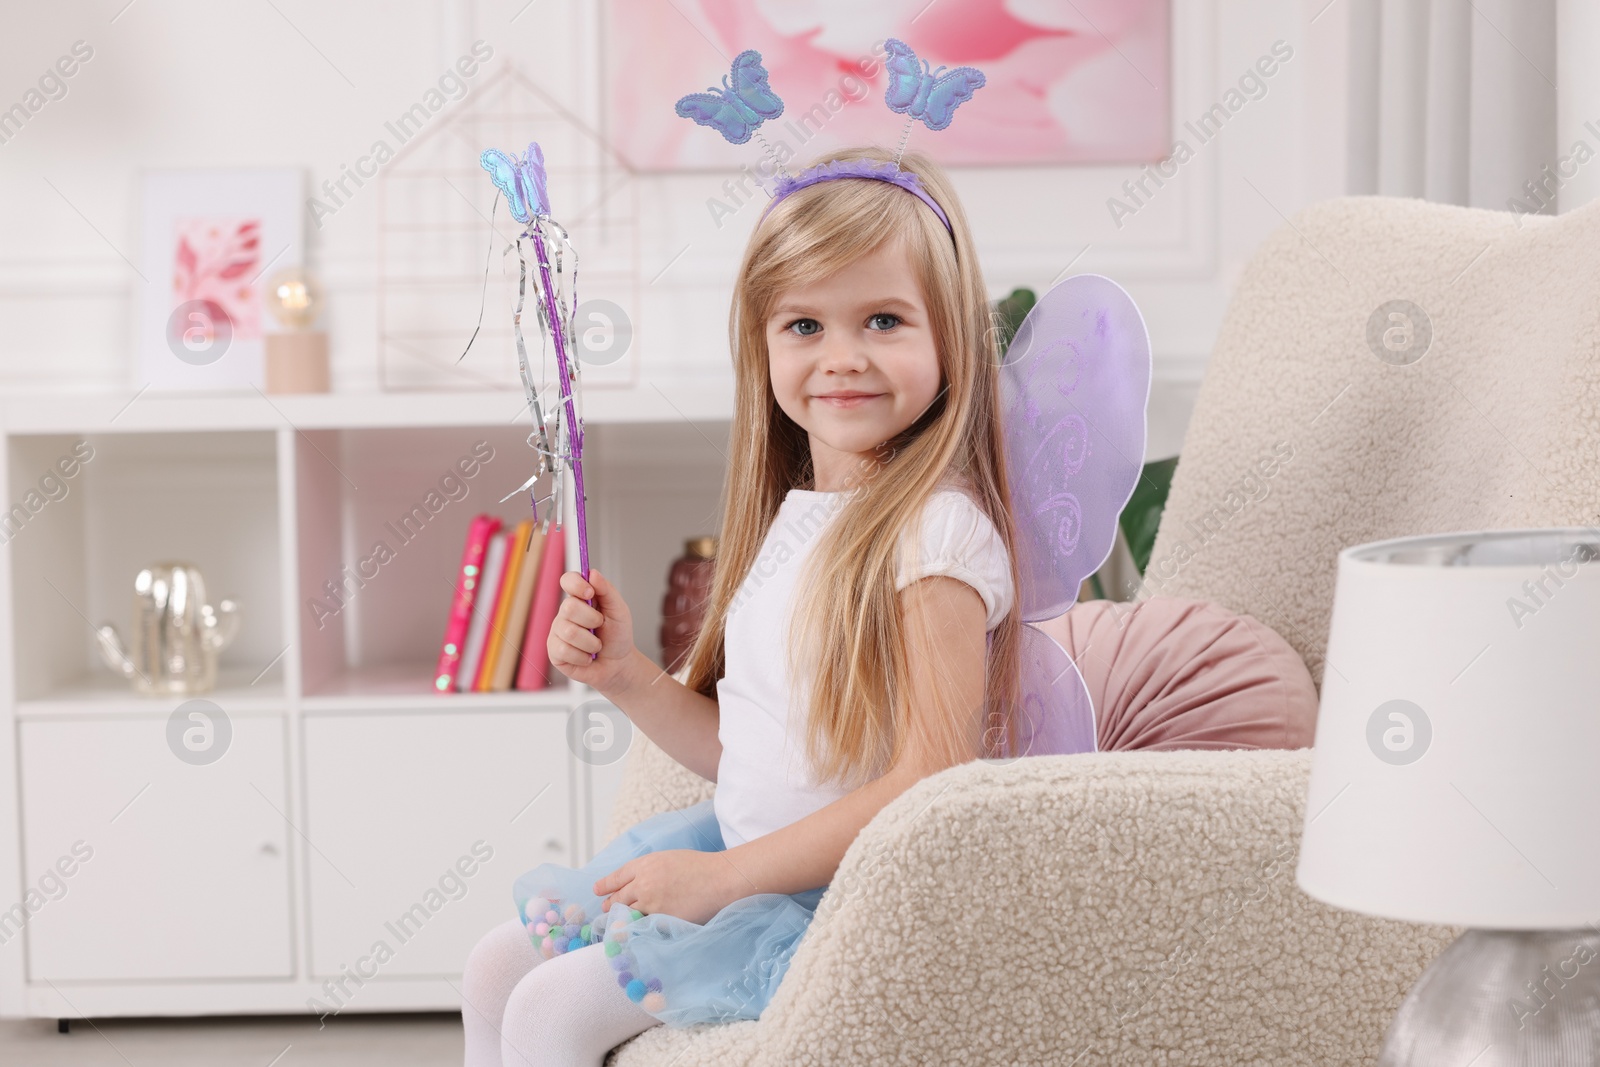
(573, 647)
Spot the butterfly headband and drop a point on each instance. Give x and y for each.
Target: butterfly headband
(745, 101)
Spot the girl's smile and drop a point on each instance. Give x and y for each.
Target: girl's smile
(848, 400)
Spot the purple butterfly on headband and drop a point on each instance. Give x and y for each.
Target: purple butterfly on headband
(736, 109)
(522, 180)
(934, 97)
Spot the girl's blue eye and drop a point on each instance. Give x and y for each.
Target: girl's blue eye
(894, 320)
(804, 327)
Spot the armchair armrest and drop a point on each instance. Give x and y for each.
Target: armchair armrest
(1121, 907)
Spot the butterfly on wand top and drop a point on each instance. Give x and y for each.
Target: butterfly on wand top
(557, 441)
(1074, 385)
(521, 180)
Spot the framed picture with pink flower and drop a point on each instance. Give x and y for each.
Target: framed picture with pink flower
(209, 240)
(1067, 82)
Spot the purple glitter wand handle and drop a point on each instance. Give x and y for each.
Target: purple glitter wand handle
(574, 429)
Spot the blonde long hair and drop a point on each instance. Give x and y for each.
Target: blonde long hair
(848, 609)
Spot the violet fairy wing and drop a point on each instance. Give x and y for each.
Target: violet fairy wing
(1056, 715)
(1074, 386)
(1073, 389)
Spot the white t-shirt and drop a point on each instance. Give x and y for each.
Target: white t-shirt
(763, 777)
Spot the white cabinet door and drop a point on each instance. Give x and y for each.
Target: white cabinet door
(419, 823)
(146, 866)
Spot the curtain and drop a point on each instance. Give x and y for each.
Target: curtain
(1456, 101)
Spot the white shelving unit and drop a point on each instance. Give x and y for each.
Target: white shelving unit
(353, 806)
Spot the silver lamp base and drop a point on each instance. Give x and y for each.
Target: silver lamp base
(1495, 998)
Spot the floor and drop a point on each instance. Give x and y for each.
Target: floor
(400, 1040)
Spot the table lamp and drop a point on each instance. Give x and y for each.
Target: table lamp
(1455, 780)
(296, 357)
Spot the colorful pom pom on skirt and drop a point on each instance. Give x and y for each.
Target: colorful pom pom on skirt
(679, 971)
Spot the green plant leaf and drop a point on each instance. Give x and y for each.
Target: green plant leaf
(1142, 516)
(1010, 311)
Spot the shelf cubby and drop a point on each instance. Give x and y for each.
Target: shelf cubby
(382, 516)
(133, 499)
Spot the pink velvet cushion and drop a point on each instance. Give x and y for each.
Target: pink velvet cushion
(1169, 672)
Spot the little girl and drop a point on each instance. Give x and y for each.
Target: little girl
(861, 632)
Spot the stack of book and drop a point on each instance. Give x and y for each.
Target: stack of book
(507, 592)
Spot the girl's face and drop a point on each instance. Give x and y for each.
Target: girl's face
(852, 360)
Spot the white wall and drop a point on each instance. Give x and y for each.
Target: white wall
(185, 83)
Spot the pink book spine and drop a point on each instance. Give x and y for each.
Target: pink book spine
(534, 664)
(455, 633)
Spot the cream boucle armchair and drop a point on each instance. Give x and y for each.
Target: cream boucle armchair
(1140, 907)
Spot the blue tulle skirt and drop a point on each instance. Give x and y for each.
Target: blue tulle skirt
(679, 971)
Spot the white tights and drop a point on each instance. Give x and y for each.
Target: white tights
(521, 1010)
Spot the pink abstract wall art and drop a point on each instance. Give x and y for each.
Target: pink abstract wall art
(217, 259)
(1085, 81)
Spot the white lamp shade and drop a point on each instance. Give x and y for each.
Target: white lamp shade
(1455, 777)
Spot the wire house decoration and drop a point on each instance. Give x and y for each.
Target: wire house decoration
(434, 207)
